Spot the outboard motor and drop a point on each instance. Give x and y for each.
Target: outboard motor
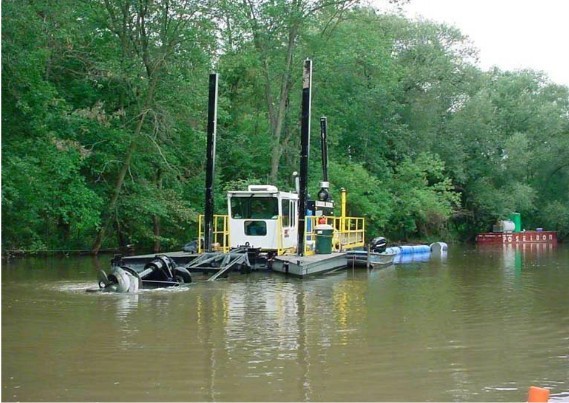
(378, 244)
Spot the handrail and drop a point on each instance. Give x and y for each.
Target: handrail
(349, 233)
(220, 231)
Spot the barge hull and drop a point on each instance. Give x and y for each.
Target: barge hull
(517, 237)
(302, 266)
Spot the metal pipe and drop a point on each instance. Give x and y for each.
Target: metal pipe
(210, 161)
(324, 146)
(343, 209)
(323, 194)
(304, 153)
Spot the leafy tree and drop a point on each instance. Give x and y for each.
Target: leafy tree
(507, 130)
(269, 33)
(104, 102)
(356, 85)
(151, 38)
(423, 198)
(45, 200)
(367, 196)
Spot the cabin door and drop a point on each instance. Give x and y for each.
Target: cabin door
(289, 223)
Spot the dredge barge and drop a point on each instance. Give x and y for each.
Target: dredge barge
(265, 228)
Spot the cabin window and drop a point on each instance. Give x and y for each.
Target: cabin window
(265, 208)
(288, 211)
(255, 227)
(292, 213)
(285, 212)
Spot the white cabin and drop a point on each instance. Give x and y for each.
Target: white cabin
(263, 217)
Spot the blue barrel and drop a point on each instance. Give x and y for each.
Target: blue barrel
(412, 257)
(421, 249)
(408, 249)
(393, 249)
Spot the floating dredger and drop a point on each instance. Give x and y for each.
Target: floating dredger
(266, 228)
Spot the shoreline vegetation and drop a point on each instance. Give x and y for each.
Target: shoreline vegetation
(104, 109)
(19, 253)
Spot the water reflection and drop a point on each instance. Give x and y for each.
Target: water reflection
(270, 328)
(125, 305)
(515, 256)
(468, 327)
(412, 257)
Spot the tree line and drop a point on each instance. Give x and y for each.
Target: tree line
(104, 119)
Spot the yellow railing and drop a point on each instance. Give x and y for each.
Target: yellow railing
(349, 232)
(220, 239)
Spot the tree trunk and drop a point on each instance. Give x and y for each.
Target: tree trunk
(155, 217)
(110, 213)
(278, 121)
(116, 192)
(128, 20)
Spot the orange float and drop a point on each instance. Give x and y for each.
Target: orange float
(538, 395)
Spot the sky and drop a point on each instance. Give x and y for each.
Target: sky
(509, 34)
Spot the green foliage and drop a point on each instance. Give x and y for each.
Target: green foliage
(46, 202)
(104, 115)
(423, 196)
(367, 195)
(555, 217)
(355, 86)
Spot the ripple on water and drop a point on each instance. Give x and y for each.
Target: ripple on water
(472, 329)
(82, 287)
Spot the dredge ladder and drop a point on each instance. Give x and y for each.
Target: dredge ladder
(237, 257)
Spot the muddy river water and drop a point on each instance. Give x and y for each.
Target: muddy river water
(479, 324)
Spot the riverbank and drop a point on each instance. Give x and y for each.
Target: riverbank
(19, 253)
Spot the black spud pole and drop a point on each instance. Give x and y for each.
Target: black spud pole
(324, 147)
(210, 161)
(304, 153)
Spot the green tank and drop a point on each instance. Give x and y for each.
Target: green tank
(517, 219)
(324, 234)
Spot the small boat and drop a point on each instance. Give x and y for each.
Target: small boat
(377, 255)
(359, 258)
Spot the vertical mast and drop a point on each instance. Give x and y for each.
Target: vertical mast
(210, 161)
(323, 194)
(324, 147)
(304, 153)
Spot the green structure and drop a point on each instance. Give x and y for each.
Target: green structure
(517, 219)
(324, 234)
